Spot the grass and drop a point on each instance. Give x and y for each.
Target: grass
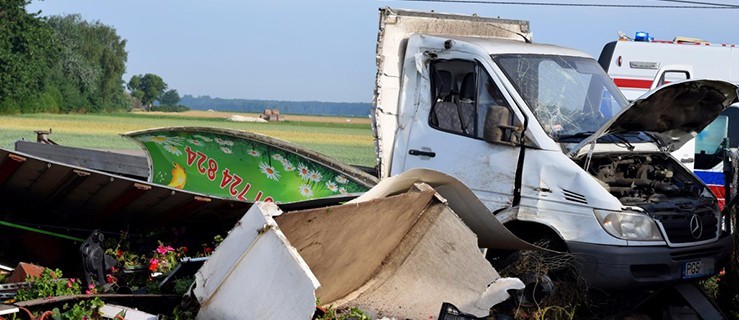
(349, 141)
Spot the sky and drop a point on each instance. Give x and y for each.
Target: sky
(324, 50)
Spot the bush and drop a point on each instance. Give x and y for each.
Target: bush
(8, 106)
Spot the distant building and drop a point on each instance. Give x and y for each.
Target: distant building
(272, 115)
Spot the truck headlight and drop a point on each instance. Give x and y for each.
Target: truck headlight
(628, 225)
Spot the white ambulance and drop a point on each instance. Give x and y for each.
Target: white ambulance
(640, 64)
(634, 64)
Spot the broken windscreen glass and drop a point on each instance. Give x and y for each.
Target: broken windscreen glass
(570, 96)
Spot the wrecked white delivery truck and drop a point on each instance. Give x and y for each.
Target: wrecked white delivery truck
(547, 141)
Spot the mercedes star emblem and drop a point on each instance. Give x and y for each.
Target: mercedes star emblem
(696, 226)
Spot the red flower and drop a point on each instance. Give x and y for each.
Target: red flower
(153, 265)
(208, 250)
(119, 253)
(183, 249)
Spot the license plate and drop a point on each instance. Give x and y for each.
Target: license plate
(697, 268)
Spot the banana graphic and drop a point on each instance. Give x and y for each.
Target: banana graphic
(179, 177)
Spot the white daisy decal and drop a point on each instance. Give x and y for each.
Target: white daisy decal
(277, 157)
(341, 179)
(315, 176)
(306, 191)
(288, 167)
(173, 150)
(254, 153)
(201, 137)
(303, 171)
(195, 142)
(332, 186)
(224, 142)
(286, 163)
(269, 171)
(226, 150)
(342, 190)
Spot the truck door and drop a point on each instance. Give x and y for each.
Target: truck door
(450, 135)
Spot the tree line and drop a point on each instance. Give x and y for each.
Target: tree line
(347, 109)
(67, 64)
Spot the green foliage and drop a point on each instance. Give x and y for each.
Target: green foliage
(90, 67)
(170, 108)
(182, 285)
(85, 309)
(147, 88)
(58, 64)
(28, 49)
(170, 98)
(353, 313)
(49, 284)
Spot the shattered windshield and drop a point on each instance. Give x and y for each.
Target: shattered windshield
(572, 97)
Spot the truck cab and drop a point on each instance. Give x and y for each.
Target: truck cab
(548, 143)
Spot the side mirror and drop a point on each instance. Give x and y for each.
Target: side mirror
(498, 128)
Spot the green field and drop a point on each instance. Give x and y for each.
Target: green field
(350, 142)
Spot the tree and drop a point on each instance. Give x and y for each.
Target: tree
(27, 50)
(91, 65)
(170, 98)
(148, 88)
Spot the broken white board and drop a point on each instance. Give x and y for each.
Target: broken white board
(256, 274)
(401, 256)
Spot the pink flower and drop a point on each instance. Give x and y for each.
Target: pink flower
(163, 249)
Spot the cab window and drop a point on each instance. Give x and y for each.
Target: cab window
(463, 94)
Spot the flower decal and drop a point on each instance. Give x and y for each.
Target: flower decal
(332, 186)
(342, 190)
(224, 142)
(306, 191)
(277, 157)
(342, 179)
(269, 171)
(315, 176)
(204, 138)
(173, 150)
(288, 166)
(195, 142)
(226, 150)
(254, 153)
(303, 171)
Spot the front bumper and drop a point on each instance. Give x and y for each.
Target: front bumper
(625, 268)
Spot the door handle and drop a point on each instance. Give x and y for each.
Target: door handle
(415, 152)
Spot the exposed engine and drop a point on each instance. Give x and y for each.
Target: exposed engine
(636, 179)
(663, 188)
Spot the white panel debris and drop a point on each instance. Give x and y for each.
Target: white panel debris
(256, 274)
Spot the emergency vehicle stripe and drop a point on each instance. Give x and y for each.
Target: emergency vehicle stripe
(632, 83)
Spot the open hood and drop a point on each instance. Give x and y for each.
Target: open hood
(675, 112)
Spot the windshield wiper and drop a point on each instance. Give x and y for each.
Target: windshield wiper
(625, 141)
(575, 136)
